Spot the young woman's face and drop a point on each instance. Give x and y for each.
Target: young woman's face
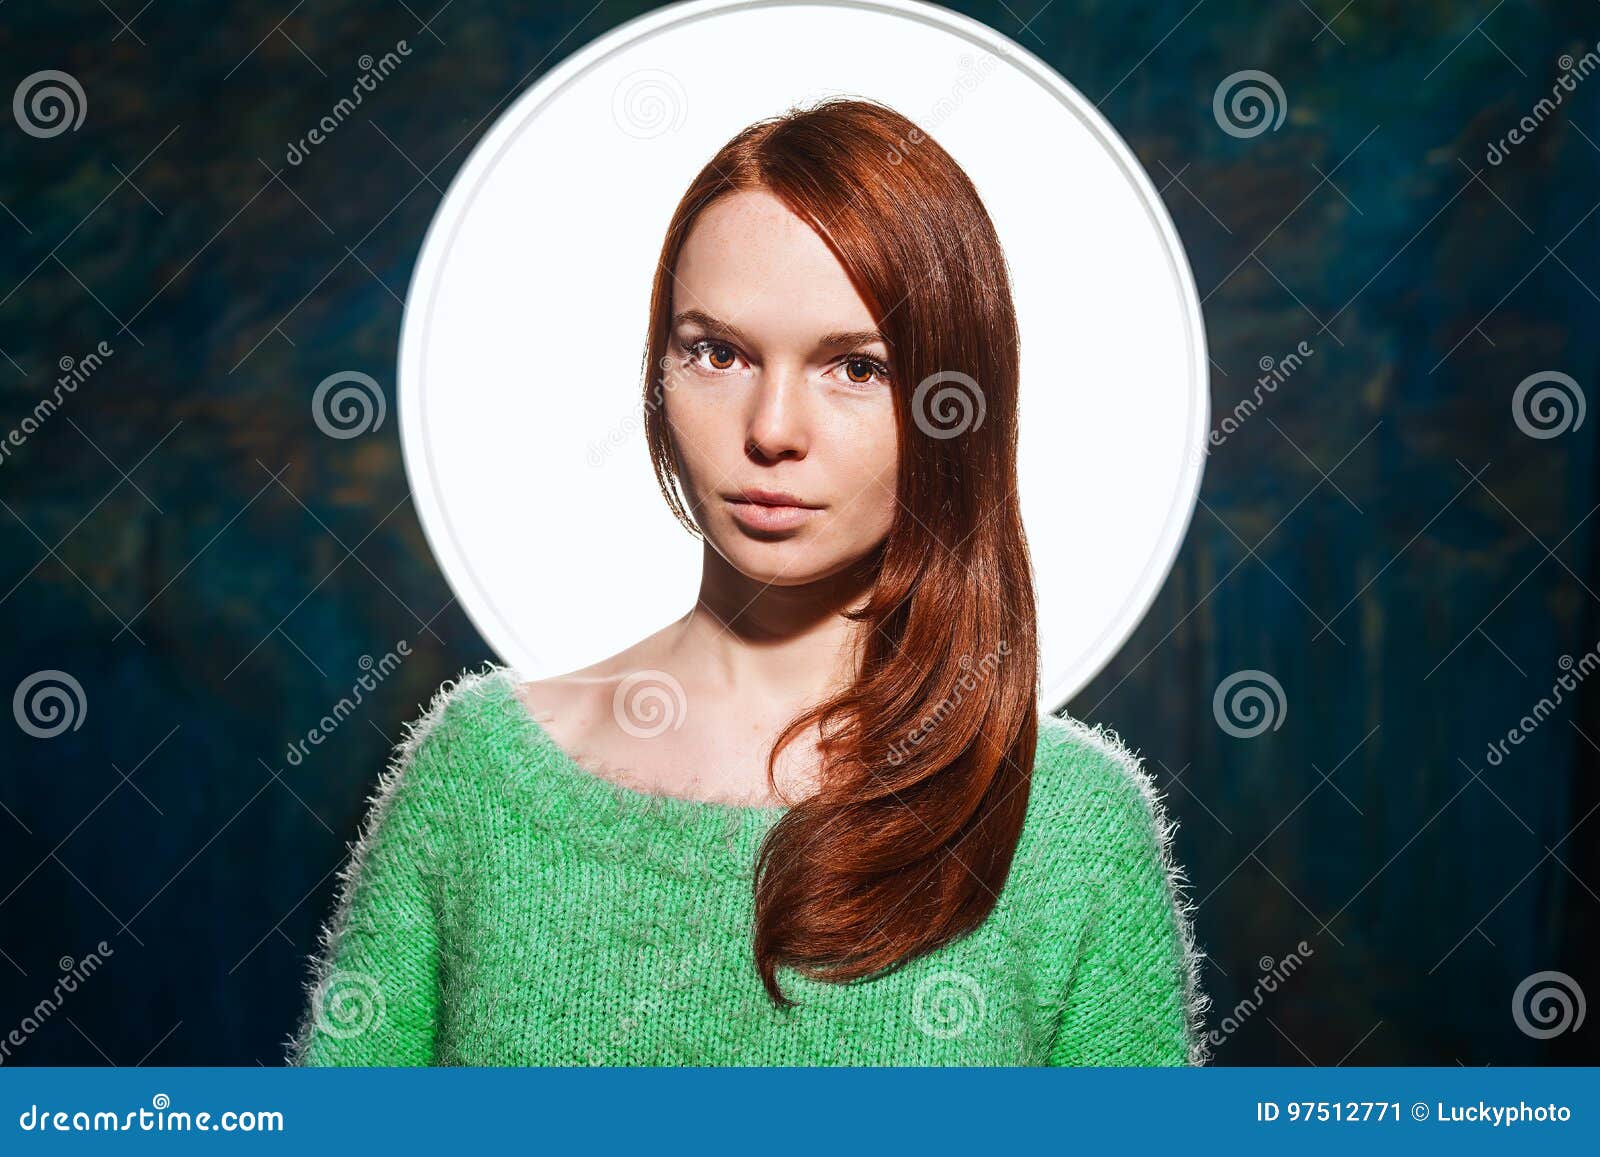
(778, 382)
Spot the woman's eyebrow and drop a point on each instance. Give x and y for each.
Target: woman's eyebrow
(837, 340)
(854, 337)
(711, 325)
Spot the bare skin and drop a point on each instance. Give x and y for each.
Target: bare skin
(777, 407)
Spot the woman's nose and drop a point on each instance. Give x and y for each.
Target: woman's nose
(779, 424)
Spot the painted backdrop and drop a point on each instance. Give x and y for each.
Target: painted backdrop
(1392, 570)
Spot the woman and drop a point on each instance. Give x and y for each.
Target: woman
(819, 819)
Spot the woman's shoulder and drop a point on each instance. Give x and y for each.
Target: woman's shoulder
(418, 796)
(467, 719)
(1076, 760)
(486, 723)
(1101, 841)
(1092, 795)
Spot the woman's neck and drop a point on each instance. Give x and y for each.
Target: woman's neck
(776, 643)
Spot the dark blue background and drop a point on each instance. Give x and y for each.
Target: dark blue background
(1381, 537)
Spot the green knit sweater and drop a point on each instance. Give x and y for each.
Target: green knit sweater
(505, 906)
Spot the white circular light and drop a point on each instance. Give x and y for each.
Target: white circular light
(520, 396)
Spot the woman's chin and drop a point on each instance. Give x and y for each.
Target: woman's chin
(790, 563)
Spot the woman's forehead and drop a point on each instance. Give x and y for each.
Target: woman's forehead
(752, 264)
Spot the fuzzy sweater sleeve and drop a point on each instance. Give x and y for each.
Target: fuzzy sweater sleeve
(1133, 996)
(372, 999)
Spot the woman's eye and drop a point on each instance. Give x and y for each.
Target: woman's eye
(860, 371)
(721, 355)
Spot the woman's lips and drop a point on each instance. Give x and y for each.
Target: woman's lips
(763, 517)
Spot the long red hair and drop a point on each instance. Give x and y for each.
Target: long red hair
(928, 753)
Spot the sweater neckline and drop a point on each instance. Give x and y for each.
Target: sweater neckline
(665, 828)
